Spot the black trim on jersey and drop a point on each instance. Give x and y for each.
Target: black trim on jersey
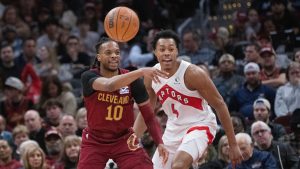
(87, 79)
(139, 91)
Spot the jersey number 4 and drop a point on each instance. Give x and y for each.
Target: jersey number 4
(174, 110)
(114, 113)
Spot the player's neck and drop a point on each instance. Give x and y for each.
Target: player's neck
(108, 73)
(173, 69)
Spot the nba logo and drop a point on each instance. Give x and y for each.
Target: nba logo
(177, 80)
(124, 90)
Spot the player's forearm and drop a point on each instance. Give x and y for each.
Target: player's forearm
(139, 126)
(224, 117)
(116, 82)
(151, 123)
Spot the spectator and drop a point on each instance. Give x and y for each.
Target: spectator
(294, 137)
(15, 104)
(50, 38)
(252, 53)
(284, 154)
(193, 48)
(54, 145)
(29, 54)
(223, 43)
(140, 52)
(67, 125)
(33, 157)
(25, 145)
(53, 88)
(92, 16)
(49, 63)
(8, 66)
(288, 96)
(64, 16)
(253, 25)
(74, 60)
(282, 18)
(10, 17)
(87, 37)
(253, 157)
(54, 112)
(270, 74)
(4, 134)
(20, 134)
(32, 83)
(262, 112)
(6, 160)
(223, 156)
(70, 153)
(228, 81)
(239, 123)
(243, 99)
(81, 120)
(10, 37)
(33, 122)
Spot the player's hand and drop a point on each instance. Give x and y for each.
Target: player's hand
(132, 142)
(235, 155)
(154, 74)
(163, 152)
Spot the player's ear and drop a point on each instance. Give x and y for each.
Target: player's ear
(99, 57)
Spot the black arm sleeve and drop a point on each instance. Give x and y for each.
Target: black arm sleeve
(139, 91)
(87, 79)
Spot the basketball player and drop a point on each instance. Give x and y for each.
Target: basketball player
(109, 94)
(184, 96)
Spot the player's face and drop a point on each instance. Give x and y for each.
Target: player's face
(109, 55)
(166, 53)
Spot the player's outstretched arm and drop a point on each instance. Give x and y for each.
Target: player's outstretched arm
(198, 80)
(116, 82)
(139, 126)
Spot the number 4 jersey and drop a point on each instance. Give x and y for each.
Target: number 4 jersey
(185, 109)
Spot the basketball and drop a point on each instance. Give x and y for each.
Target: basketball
(121, 24)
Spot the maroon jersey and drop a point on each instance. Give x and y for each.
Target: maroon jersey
(110, 113)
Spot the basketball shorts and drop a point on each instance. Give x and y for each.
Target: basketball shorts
(95, 154)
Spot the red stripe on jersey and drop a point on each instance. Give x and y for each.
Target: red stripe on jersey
(208, 133)
(168, 92)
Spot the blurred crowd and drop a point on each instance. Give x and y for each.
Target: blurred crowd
(47, 44)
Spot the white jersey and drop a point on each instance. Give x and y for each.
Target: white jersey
(185, 109)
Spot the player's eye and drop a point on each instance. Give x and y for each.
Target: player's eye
(171, 49)
(161, 49)
(108, 53)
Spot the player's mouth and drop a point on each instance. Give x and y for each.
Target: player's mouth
(113, 63)
(167, 60)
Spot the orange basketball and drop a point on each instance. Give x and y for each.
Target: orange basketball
(121, 24)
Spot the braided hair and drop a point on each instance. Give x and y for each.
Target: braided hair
(96, 63)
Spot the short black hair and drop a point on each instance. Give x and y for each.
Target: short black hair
(52, 102)
(72, 37)
(166, 34)
(256, 46)
(5, 45)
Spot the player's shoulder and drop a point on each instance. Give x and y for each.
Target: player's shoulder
(194, 71)
(89, 74)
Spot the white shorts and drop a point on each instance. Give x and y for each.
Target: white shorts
(194, 143)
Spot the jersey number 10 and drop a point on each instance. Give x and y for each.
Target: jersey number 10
(114, 113)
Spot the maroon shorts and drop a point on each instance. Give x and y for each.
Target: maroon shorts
(94, 153)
